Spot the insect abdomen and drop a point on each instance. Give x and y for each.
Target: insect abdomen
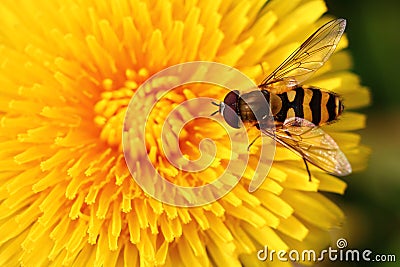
(312, 104)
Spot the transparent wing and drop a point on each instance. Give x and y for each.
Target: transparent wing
(312, 143)
(306, 59)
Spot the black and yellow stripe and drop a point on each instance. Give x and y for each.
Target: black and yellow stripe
(310, 103)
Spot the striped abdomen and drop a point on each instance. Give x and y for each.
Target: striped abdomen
(310, 103)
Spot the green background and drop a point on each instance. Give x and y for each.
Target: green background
(372, 198)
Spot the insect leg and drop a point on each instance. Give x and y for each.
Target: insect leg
(291, 148)
(255, 139)
(252, 142)
(302, 156)
(308, 170)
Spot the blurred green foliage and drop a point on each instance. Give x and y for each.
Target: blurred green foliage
(373, 30)
(372, 199)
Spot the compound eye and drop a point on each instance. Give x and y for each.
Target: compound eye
(231, 99)
(231, 117)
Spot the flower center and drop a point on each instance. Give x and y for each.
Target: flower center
(112, 103)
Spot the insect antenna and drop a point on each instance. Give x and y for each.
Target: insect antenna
(215, 112)
(215, 104)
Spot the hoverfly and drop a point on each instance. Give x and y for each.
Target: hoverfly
(297, 110)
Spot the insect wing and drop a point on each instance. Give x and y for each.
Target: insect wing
(314, 145)
(306, 59)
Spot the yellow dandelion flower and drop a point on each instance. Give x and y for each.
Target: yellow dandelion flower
(68, 70)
